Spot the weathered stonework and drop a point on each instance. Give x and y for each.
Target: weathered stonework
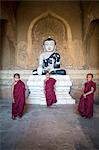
(74, 26)
(22, 54)
(78, 77)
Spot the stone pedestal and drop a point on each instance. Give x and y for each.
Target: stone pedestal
(36, 86)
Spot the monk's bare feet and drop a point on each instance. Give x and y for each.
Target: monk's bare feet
(49, 106)
(19, 117)
(14, 118)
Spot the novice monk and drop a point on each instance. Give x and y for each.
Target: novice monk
(18, 97)
(85, 106)
(50, 90)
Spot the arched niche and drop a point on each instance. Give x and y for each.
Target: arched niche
(7, 55)
(92, 45)
(47, 24)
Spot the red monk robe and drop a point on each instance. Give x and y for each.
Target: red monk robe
(85, 106)
(19, 99)
(49, 91)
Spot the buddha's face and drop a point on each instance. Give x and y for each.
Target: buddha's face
(49, 46)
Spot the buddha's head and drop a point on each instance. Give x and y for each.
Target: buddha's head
(49, 45)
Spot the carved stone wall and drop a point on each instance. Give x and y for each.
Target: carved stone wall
(92, 45)
(29, 23)
(48, 26)
(51, 24)
(21, 54)
(74, 25)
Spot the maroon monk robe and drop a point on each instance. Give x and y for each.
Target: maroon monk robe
(19, 98)
(85, 106)
(49, 91)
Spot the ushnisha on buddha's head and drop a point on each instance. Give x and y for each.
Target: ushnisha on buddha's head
(49, 45)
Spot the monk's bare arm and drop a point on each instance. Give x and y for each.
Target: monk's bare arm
(92, 90)
(12, 88)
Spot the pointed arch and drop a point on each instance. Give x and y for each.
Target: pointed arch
(45, 14)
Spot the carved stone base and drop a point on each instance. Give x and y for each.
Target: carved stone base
(36, 86)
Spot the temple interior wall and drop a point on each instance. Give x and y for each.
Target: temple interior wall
(74, 26)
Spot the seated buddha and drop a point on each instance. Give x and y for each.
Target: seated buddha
(49, 60)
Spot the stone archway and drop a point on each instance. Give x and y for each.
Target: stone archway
(7, 55)
(92, 45)
(60, 20)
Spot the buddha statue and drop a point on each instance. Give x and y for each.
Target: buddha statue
(49, 60)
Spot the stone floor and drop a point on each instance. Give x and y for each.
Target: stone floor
(55, 128)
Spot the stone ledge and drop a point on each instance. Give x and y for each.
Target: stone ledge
(74, 73)
(76, 76)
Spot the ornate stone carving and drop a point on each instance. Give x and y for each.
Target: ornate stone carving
(42, 29)
(50, 24)
(22, 54)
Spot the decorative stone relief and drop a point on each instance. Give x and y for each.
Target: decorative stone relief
(45, 27)
(22, 54)
(50, 24)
